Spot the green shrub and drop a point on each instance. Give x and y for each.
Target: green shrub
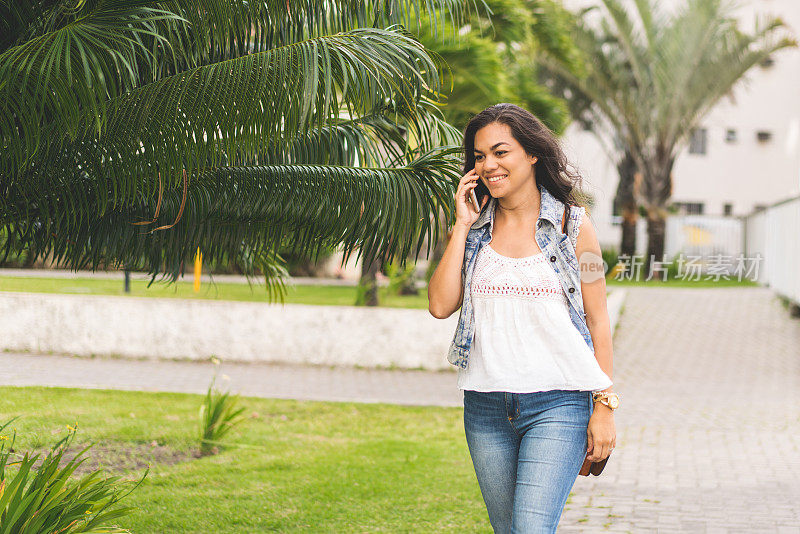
(610, 257)
(45, 499)
(672, 268)
(362, 289)
(218, 415)
(402, 280)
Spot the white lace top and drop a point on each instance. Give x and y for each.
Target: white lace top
(524, 338)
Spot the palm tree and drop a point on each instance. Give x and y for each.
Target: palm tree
(135, 131)
(492, 62)
(583, 112)
(652, 77)
(499, 64)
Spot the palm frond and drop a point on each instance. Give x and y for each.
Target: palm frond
(730, 56)
(238, 105)
(135, 131)
(70, 72)
(380, 137)
(232, 210)
(629, 37)
(260, 26)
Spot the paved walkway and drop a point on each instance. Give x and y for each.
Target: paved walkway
(249, 379)
(708, 434)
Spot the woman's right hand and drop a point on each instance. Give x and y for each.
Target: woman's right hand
(465, 209)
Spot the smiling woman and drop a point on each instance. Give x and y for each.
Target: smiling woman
(533, 341)
(512, 154)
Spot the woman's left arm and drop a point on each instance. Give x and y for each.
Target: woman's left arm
(601, 431)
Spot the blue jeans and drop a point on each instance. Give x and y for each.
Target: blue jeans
(527, 449)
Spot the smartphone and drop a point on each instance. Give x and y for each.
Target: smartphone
(474, 200)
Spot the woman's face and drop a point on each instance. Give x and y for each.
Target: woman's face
(500, 161)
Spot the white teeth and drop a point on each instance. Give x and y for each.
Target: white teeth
(496, 178)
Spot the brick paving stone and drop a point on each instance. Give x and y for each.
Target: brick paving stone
(689, 525)
(708, 433)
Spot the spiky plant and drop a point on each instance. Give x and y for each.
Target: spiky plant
(219, 413)
(49, 498)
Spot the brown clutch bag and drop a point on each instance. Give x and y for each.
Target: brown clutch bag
(594, 468)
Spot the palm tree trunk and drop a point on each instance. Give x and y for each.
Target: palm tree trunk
(657, 185)
(626, 200)
(656, 226)
(368, 283)
(439, 248)
(630, 215)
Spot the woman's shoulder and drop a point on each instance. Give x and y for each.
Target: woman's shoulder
(585, 235)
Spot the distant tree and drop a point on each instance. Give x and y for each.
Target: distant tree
(652, 77)
(625, 199)
(496, 61)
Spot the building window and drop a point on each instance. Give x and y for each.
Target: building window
(763, 136)
(688, 208)
(727, 209)
(697, 141)
(730, 135)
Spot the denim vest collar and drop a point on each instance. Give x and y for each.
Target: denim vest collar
(550, 209)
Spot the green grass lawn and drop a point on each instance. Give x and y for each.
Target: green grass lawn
(295, 294)
(676, 282)
(303, 466)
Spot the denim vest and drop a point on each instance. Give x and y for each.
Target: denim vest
(558, 248)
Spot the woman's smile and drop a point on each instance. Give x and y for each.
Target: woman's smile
(496, 178)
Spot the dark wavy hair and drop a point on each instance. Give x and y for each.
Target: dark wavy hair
(553, 171)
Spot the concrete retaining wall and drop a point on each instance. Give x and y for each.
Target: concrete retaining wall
(240, 331)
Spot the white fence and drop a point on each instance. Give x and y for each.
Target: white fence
(763, 246)
(774, 233)
(703, 235)
(705, 240)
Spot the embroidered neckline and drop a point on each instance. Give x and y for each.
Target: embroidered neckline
(534, 257)
(528, 278)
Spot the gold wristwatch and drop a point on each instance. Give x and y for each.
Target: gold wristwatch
(609, 398)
